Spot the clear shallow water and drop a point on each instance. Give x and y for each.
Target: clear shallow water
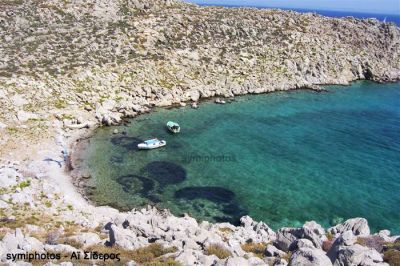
(283, 158)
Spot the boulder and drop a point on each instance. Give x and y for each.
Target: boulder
(359, 226)
(194, 95)
(3, 94)
(256, 261)
(280, 262)
(14, 241)
(2, 126)
(3, 204)
(314, 233)
(307, 256)
(8, 177)
(304, 243)
(358, 255)
(188, 257)
(32, 244)
(25, 116)
(385, 234)
(286, 237)
(236, 261)
(272, 251)
(21, 198)
(124, 238)
(60, 248)
(346, 239)
(108, 104)
(256, 231)
(235, 248)
(18, 100)
(87, 239)
(315, 227)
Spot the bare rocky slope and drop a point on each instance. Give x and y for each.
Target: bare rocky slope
(67, 66)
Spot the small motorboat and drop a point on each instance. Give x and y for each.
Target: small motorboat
(219, 101)
(152, 144)
(173, 127)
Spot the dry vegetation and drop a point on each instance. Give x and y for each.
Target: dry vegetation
(150, 255)
(218, 251)
(256, 248)
(392, 253)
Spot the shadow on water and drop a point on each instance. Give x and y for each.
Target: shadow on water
(138, 184)
(165, 173)
(214, 194)
(129, 143)
(117, 159)
(224, 198)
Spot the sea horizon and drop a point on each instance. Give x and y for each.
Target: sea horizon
(395, 18)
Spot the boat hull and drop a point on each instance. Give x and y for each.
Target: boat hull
(174, 130)
(143, 146)
(173, 127)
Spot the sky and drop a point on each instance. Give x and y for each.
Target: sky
(367, 6)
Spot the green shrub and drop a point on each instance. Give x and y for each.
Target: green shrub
(24, 184)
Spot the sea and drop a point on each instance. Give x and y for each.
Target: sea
(283, 158)
(395, 18)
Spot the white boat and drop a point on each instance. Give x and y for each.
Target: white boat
(173, 127)
(152, 144)
(219, 101)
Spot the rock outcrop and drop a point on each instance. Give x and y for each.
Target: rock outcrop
(359, 227)
(72, 59)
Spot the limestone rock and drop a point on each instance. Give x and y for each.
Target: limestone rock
(87, 239)
(2, 126)
(236, 261)
(272, 251)
(25, 116)
(8, 177)
(188, 257)
(307, 256)
(358, 255)
(286, 237)
(346, 239)
(359, 226)
(193, 95)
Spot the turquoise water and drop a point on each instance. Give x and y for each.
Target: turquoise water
(284, 158)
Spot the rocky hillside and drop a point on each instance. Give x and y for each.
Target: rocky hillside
(59, 54)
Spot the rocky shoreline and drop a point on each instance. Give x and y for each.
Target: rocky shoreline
(79, 226)
(66, 69)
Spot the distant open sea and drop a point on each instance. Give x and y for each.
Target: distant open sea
(336, 14)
